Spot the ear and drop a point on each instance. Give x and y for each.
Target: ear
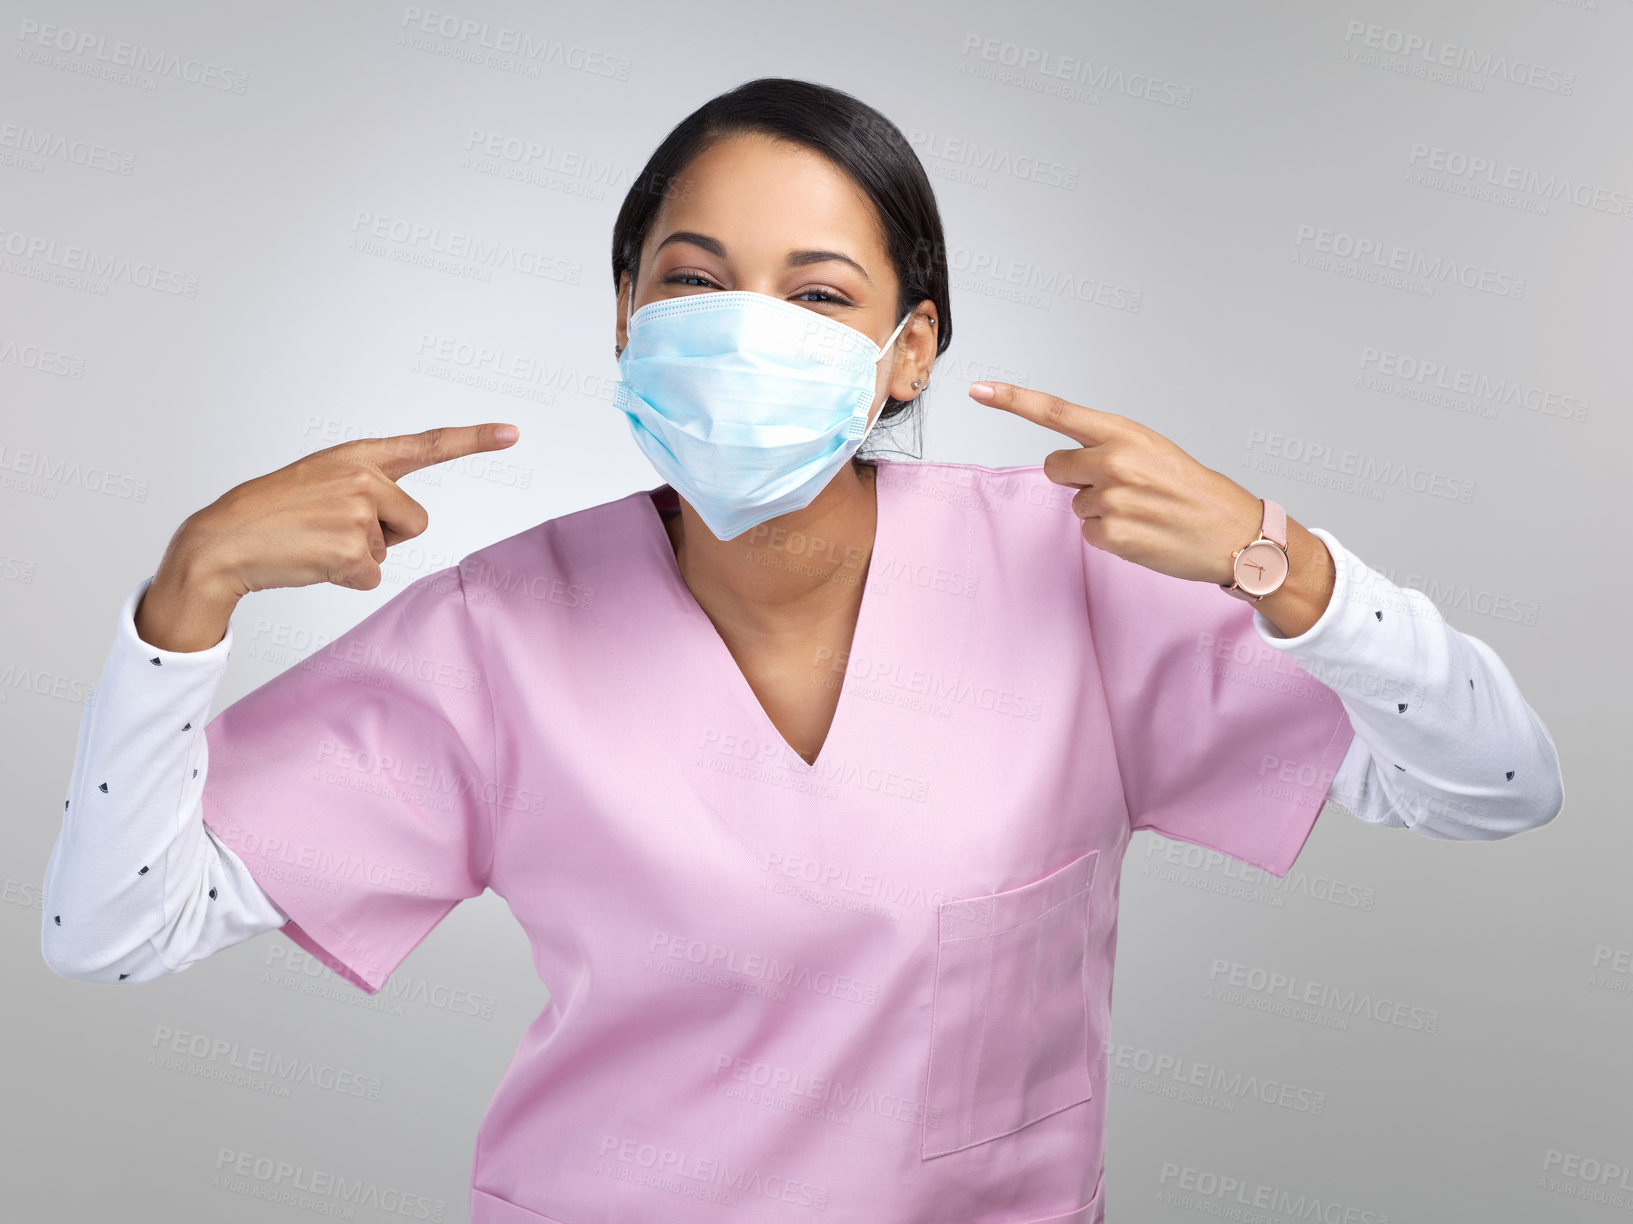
(916, 352)
(620, 335)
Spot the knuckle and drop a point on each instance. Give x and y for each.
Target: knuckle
(359, 480)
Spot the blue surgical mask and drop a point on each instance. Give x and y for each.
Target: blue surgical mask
(745, 403)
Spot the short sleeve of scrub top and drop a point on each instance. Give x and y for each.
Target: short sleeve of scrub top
(355, 784)
(1221, 740)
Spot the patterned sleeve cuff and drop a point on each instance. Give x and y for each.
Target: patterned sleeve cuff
(130, 642)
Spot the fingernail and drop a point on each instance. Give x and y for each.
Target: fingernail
(505, 433)
(982, 391)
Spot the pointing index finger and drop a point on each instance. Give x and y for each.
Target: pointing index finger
(404, 453)
(1085, 426)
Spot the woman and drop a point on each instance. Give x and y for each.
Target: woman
(809, 778)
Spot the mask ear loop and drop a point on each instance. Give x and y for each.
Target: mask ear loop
(885, 349)
(887, 344)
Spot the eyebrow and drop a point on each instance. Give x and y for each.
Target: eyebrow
(796, 259)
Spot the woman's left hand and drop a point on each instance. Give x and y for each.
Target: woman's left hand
(1139, 495)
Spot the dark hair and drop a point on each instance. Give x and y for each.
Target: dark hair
(856, 138)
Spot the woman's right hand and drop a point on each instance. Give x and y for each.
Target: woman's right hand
(328, 517)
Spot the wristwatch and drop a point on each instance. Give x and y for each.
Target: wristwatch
(1261, 565)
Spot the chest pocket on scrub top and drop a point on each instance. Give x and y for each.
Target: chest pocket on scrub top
(1009, 1039)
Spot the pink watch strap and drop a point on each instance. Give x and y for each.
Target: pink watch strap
(1275, 522)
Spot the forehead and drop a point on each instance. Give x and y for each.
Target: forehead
(764, 197)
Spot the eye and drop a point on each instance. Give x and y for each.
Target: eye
(825, 295)
(679, 278)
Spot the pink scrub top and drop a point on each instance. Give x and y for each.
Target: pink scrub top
(873, 989)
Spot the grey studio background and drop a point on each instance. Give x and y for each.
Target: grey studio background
(1369, 259)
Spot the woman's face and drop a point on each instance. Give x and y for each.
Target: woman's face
(753, 213)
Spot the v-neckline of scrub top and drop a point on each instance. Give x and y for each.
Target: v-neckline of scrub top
(861, 636)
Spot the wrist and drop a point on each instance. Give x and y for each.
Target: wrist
(194, 562)
(1295, 606)
(1261, 564)
(175, 616)
(189, 602)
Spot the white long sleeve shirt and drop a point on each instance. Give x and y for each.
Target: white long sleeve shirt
(1382, 649)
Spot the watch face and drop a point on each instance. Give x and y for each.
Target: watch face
(1261, 568)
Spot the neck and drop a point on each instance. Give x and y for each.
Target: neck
(790, 573)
